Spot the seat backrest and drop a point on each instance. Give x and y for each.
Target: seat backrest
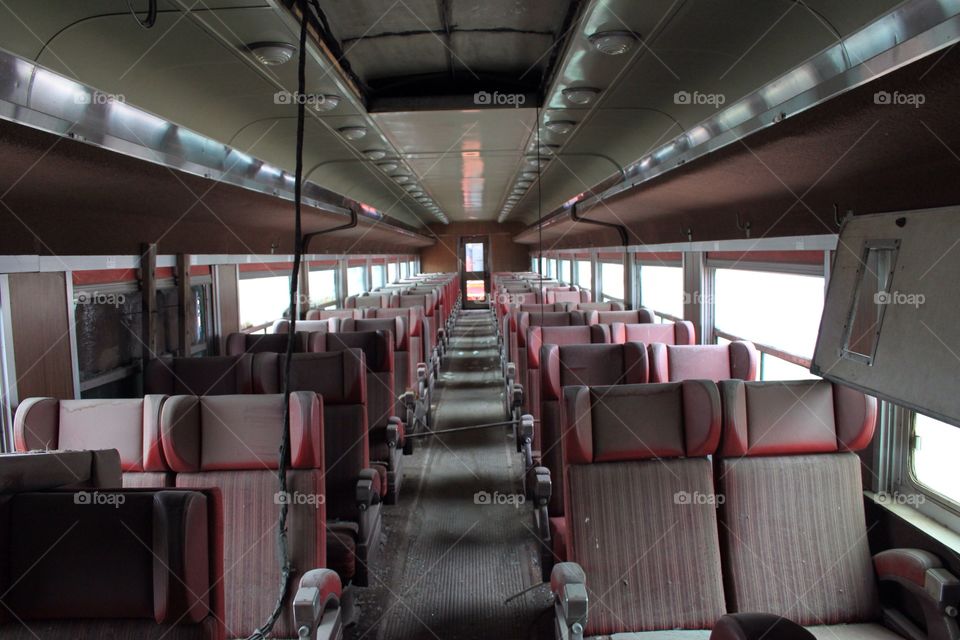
(573, 297)
(544, 308)
(123, 563)
(326, 314)
(130, 425)
(340, 379)
(579, 365)
(204, 376)
(651, 333)
(232, 443)
(672, 363)
(640, 505)
(240, 343)
(599, 306)
(639, 316)
(794, 533)
(407, 357)
(368, 301)
(377, 348)
(308, 326)
(396, 326)
(556, 319)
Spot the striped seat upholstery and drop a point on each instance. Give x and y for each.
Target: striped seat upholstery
(640, 505)
(230, 442)
(792, 525)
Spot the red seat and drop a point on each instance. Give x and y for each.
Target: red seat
(672, 363)
(206, 376)
(308, 326)
(230, 442)
(369, 301)
(326, 314)
(131, 426)
(794, 520)
(409, 350)
(383, 406)
(518, 324)
(576, 365)
(241, 343)
(117, 563)
(354, 486)
(650, 333)
(599, 306)
(572, 297)
(639, 316)
(640, 510)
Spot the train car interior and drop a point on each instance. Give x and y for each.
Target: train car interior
(473, 319)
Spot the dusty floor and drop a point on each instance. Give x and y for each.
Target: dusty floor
(459, 543)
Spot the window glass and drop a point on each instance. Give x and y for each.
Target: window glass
(355, 283)
(564, 275)
(780, 310)
(611, 280)
(552, 268)
(774, 368)
(474, 257)
(377, 275)
(404, 269)
(263, 299)
(391, 272)
(6, 408)
(935, 450)
(661, 289)
(413, 268)
(323, 287)
(584, 274)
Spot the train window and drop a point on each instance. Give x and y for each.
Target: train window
(934, 456)
(323, 287)
(391, 272)
(6, 404)
(584, 275)
(552, 268)
(779, 312)
(412, 271)
(356, 280)
(564, 274)
(661, 289)
(404, 266)
(263, 299)
(377, 276)
(611, 281)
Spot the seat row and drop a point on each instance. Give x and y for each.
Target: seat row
(690, 501)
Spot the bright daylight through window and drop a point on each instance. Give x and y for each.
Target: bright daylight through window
(661, 289)
(263, 299)
(935, 456)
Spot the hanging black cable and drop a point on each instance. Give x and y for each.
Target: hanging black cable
(151, 18)
(543, 296)
(283, 548)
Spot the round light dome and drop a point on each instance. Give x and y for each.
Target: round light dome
(388, 167)
(375, 154)
(580, 95)
(271, 54)
(613, 43)
(353, 133)
(560, 127)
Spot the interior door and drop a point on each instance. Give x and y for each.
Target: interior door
(475, 272)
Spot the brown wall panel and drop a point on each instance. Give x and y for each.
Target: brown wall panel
(41, 335)
(229, 302)
(505, 254)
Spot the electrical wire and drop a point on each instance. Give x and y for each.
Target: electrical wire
(151, 18)
(543, 296)
(283, 547)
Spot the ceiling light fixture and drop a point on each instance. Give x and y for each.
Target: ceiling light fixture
(353, 133)
(272, 54)
(560, 127)
(529, 175)
(375, 154)
(534, 161)
(388, 167)
(580, 95)
(322, 102)
(613, 43)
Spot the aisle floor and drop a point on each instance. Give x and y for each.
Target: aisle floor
(460, 540)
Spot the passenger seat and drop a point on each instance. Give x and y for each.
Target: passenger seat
(131, 426)
(641, 512)
(792, 525)
(672, 363)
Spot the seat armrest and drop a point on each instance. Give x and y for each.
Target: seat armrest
(756, 626)
(542, 486)
(395, 432)
(516, 396)
(922, 575)
(526, 428)
(568, 582)
(317, 597)
(368, 489)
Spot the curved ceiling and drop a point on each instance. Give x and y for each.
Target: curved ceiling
(408, 72)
